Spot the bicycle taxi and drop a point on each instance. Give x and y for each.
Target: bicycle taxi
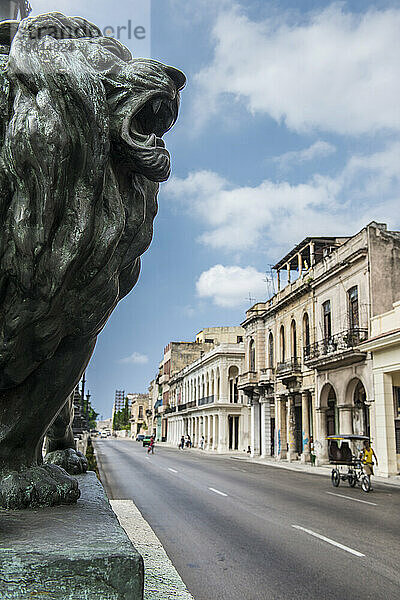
(344, 452)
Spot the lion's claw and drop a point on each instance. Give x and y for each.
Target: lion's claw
(73, 461)
(46, 485)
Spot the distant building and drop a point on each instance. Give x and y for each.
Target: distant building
(205, 401)
(178, 355)
(140, 404)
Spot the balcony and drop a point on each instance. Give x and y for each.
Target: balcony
(186, 405)
(169, 409)
(267, 377)
(206, 400)
(289, 372)
(248, 381)
(338, 350)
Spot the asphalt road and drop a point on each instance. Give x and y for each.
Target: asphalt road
(236, 530)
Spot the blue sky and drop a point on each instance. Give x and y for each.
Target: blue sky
(289, 127)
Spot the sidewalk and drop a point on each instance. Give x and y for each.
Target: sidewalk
(281, 464)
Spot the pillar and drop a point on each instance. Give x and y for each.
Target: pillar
(224, 385)
(305, 420)
(209, 442)
(292, 455)
(255, 428)
(320, 442)
(266, 428)
(385, 440)
(223, 428)
(345, 419)
(214, 436)
(282, 429)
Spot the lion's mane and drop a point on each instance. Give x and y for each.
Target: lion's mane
(77, 196)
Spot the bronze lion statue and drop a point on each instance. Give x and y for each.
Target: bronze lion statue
(81, 123)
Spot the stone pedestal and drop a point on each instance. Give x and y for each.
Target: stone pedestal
(78, 551)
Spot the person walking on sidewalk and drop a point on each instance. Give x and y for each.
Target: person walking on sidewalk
(188, 441)
(151, 445)
(182, 444)
(202, 440)
(367, 456)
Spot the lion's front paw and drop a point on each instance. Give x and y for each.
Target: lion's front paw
(73, 461)
(38, 486)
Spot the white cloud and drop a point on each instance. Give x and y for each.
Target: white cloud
(280, 213)
(135, 359)
(319, 149)
(230, 287)
(332, 71)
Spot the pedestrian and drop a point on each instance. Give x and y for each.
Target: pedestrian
(188, 441)
(151, 445)
(182, 444)
(366, 458)
(312, 451)
(202, 441)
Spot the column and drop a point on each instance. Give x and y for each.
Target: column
(223, 427)
(214, 437)
(385, 441)
(320, 443)
(345, 419)
(224, 385)
(282, 429)
(255, 428)
(305, 420)
(266, 428)
(292, 455)
(209, 444)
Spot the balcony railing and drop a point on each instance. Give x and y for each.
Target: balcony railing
(292, 365)
(206, 400)
(169, 409)
(186, 405)
(247, 380)
(340, 342)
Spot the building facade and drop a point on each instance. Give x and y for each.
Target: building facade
(384, 345)
(206, 402)
(140, 404)
(307, 375)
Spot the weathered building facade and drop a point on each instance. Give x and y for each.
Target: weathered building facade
(206, 402)
(307, 375)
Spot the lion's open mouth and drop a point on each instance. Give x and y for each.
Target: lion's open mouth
(153, 119)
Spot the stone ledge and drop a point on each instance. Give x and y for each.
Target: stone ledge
(77, 552)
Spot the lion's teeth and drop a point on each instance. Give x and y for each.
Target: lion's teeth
(156, 105)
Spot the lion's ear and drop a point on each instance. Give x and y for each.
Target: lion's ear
(8, 29)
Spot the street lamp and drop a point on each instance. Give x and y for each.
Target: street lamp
(87, 409)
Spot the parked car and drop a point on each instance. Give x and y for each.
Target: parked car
(140, 437)
(103, 435)
(146, 440)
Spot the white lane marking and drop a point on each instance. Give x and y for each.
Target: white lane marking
(147, 457)
(173, 470)
(329, 541)
(217, 492)
(350, 498)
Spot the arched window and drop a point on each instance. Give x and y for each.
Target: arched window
(282, 343)
(293, 338)
(233, 379)
(271, 350)
(252, 356)
(326, 310)
(352, 296)
(306, 334)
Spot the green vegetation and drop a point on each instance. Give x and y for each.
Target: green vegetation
(91, 458)
(121, 418)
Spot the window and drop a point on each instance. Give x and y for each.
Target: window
(293, 335)
(239, 339)
(252, 356)
(209, 341)
(282, 343)
(271, 350)
(326, 309)
(306, 334)
(140, 412)
(352, 297)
